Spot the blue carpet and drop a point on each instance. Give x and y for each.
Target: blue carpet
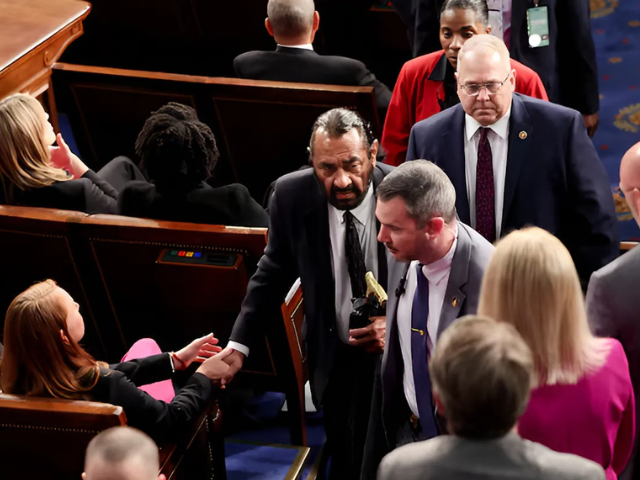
(616, 32)
(257, 462)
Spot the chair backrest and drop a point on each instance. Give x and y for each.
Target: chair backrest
(37, 244)
(262, 128)
(47, 438)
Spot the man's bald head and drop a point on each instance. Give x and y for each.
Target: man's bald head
(630, 179)
(486, 81)
(121, 453)
(291, 22)
(485, 46)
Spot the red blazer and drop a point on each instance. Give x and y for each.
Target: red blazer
(415, 97)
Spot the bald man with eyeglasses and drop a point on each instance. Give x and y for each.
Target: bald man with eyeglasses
(517, 161)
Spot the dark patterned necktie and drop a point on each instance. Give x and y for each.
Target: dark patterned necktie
(355, 257)
(420, 352)
(485, 195)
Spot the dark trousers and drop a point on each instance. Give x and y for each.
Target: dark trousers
(346, 409)
(119, 171)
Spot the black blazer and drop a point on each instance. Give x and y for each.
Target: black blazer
(89, 194)
(567, 66)
(306, 66)
(554, 178)
(228, 205)
(117, 385)
(299, 246)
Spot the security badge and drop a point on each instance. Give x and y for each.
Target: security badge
(538, 26)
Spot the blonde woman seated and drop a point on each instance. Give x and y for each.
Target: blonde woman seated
(42, 358)
(584, 402)
(35, 173)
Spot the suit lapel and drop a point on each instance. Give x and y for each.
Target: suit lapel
(458, 277)
(453, 162)
(378, 176)
(520, 142)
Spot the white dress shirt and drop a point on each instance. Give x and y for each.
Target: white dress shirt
(304, 46)
(437, 273)
(365, 215)
(499, 141)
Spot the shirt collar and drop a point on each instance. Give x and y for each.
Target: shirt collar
(501, 127)
(304, 46)
(436, 271)
(363, 211)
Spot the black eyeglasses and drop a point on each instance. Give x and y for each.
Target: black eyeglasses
(473, 89)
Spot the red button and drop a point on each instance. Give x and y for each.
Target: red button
(181, 253)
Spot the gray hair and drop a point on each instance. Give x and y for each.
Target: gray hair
(426, 190)
(339, 121)
(122, 453)
(482, 372)
(290, 18)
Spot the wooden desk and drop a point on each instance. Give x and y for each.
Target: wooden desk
(33, 35)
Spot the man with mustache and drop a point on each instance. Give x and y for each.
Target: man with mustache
(323, 229)
(435, 279)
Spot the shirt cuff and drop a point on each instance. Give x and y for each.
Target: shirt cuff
(239, 348)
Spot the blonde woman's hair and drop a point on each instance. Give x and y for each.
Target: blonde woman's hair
(24, 156)
(532, 283)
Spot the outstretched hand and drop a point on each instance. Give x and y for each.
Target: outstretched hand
(197, 351)
(371, 337)
(215, 368)
(234, 359)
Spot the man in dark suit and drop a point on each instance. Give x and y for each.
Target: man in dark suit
(518, 161)
(323, 230)
(293, 24)
(567, 66)
(436, 278)
(613, 304)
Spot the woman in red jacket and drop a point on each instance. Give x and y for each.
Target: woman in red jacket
(427, 85)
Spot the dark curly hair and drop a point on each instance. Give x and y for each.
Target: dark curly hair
(176, 150)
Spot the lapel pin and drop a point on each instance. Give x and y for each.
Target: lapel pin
(522, 135)
(454, 301)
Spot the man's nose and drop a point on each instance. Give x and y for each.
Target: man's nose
(483, 95)
(342, 180)
(382, 234)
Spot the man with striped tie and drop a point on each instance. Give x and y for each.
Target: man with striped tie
(435, 279)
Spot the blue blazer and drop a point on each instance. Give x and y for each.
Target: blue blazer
(554, 179)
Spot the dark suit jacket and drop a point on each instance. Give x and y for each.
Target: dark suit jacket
(554, 180)
(89, 194)
(228, 205)
(118, 385)
(306, 66)
(299, 246)
(567, 66)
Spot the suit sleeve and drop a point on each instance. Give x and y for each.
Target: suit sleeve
(143, 371)
(590, 222)
(159, 419)
(600, 314)
(578, 72)
(100, 196)
(275, 274)
(383, 94)
(247, 212)
(412, 149)
(397, 126)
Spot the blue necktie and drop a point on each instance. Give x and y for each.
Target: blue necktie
(420, 355)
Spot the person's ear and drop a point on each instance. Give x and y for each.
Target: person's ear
(316, 22)
(84, 475)
(488, 30)
(162, 477)
(374, 152)
(64, 337)
(633, 197)
(512, 80)
(435, 226)
(267, 24)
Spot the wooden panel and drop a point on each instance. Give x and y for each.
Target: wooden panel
(262, 128)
